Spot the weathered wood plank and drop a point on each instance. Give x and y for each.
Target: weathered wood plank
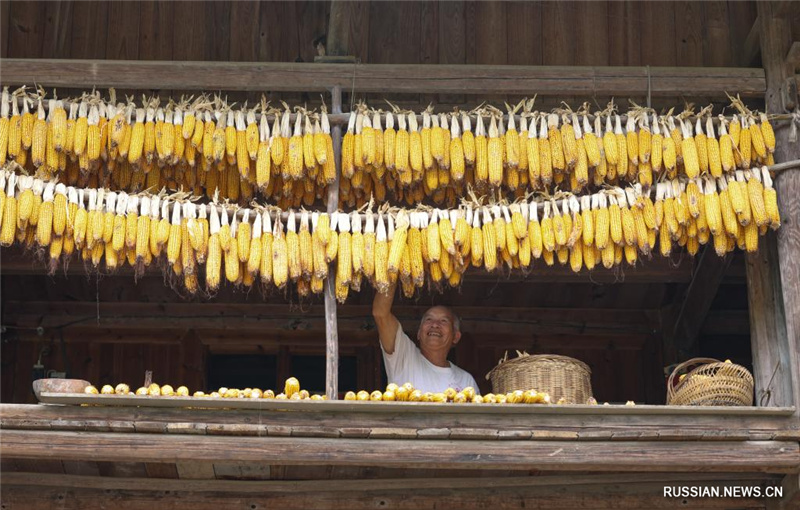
(679, 456)
(776, 38)
(623, 498)
(380, 78)
(392, 483)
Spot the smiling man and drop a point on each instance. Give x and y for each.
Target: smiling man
(426, 366)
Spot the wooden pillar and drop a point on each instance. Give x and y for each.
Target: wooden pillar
(331, 323)
(773, 274)
(338, 29)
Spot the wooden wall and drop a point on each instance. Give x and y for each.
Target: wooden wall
(517, 33)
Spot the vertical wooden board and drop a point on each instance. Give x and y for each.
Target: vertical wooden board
(217, 29)
(429, 40)
(123, 39)
(591, 43)
(524, 36)
(94, 363)
(558, 43)
(312, 23)
(716, 48)
(27, 355)
(122, 469)
(741, 17)
(9, 350)
(453, 41)
(25, 37)
(689, 33)
(155, 31)
(58, 27)
(106, 362)
(5, 27)
(471, 22)
(190, 41)
(244, 40)
(79, 359)
(492, 45)
(360, 28)
(392, 41)
(89, 30)
(192, 361)
(658, 29)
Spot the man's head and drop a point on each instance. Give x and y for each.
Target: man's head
(439, 330)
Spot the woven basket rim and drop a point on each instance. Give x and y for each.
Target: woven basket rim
(540, 357)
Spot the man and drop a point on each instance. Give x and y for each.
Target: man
(426, 366)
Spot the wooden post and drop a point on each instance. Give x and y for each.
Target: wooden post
(331, 323)
(773, 274)
(336, 43)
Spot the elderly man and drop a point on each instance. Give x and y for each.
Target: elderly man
(426, 366)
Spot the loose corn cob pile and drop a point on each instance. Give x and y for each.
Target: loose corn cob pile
(207, 146)
(200, 243)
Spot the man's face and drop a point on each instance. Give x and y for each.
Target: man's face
(437, 331)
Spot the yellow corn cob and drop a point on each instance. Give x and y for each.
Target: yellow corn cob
(545, 156)
(729, 220)
(494, 156)
(476, 242)
(136, 147)
(701, 146)
(691, 163)
(39, 143)
(591, 144)
(280, 261)
(467, 139)
(758, 139)
(512, 143)
(622, 147)
(610, 144)
(745, 143)
(737, 196)
(389, 138)
(713, 151)
(481, 153)
(770, 200)
(632, 140)
(244, 235)
(401, 151)
(726, 148)
(767, 133)
(548, 234)
(489, 242)
(556, 144)
(755, 192)
(293, 248)
(615, 220)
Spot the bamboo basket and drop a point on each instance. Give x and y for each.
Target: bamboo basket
(713, 383)
(559, 376)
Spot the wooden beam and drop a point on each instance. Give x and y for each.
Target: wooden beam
(386, 78)
(775, 282)
(702, 290)
(23, 491)
(483, 320)
(639, 456)
(752, 46)
(380, 484)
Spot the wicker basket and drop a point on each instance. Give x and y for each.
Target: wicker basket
(713, 383)
(559, 376)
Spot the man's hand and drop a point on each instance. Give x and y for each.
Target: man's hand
(386, 322)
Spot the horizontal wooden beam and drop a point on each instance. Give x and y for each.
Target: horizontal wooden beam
(386, 78)
(41, 491)
(639, 456)
(347, 419)
(279, 318)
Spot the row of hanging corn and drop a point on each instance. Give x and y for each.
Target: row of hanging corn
(250, 245)
(206, 146)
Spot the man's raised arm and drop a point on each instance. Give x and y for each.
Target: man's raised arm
(387, 323)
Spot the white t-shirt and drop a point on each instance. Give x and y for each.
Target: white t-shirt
(407, 364)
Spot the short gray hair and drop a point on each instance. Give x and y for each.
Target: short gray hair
(456, 318)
